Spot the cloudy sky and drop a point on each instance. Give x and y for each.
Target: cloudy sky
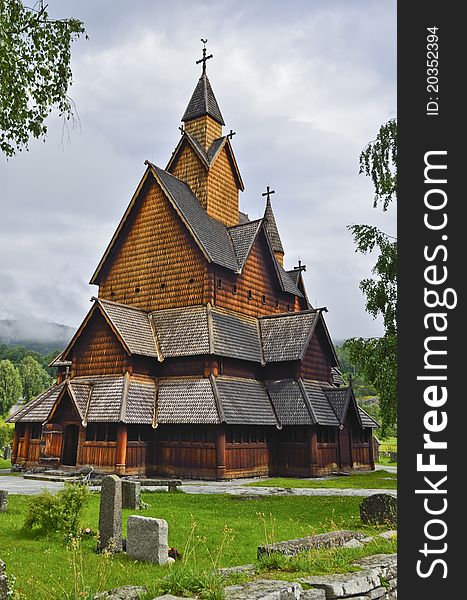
(304, 83)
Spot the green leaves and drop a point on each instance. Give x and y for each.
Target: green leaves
(35, 73)
(10, 386)
(379, 161)
(377, 357)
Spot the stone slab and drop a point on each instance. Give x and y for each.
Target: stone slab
(345, 584)
(110, 514)
(3, 500)
(313, 595)
(379, 509)
(264, 589)
(384, 564)
(332, 539)
(126, 592)
(3, 581)
(147, 539)
(131, 494)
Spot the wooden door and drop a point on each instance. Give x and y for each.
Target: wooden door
(51, 443)
(70, 445)
(345, 450)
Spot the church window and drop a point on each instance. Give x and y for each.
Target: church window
(137, 290)
(191, 280)
(163, 285)
(277, 303)
(234, 289)
(288, 307)
(250, 295)
(263, 299)
(219, 283)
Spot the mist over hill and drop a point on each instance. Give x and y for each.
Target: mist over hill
(37, 335)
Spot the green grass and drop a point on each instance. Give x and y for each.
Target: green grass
(386, 461)
(370, 480)
(4, 464)
(44, 567)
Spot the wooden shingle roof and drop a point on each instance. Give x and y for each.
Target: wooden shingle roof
(213, 400)
(203, 102)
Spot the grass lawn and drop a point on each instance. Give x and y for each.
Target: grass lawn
(370, 480)
(224, 531)
(386, 461)
(4, 464)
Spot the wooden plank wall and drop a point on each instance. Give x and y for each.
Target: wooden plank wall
(98, 454)
(316, 364)
(247, 459)
(204, 129)
(222, 196)
(259, 276)
(157, 264)
(191, 170)
(98, 351)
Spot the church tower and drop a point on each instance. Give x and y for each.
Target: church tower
(204, 158)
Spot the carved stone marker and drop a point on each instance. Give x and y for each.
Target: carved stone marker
(147, 539)
(3, 500)
(110, 515)
(131, 494)
(379, 509)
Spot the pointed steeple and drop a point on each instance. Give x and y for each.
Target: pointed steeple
(203, 118)
(271, 228)
(203, 102)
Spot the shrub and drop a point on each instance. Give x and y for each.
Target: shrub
(6, 433)
(59, 513)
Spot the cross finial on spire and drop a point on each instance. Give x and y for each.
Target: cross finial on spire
(268, 192)
(205, 58)
(231, 134)
(300, 266)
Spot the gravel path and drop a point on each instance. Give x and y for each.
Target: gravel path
(18, 485)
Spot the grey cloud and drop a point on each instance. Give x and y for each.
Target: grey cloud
(305, 84)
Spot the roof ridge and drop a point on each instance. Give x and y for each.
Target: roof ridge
(306, 399)
(307, 311)
(96, 298)
(244, 224)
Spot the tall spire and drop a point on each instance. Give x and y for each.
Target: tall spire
(271, 227)
(203, 102)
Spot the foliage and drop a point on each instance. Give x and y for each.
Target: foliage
(17, 353)
(34, 377)
(376, 358)
(6, 434)
(11, 387)
(35, 72)
(59, 513)
(379, 161)
(360, 385)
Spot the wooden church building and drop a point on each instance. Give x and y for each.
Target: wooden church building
(201, 355)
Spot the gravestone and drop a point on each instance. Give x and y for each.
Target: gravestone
(131, 494)
(3, 500)
(147, 539)
(379, 509)
(110, 515)
(3, 582)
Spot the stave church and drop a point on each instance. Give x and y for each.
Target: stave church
(201, 355)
